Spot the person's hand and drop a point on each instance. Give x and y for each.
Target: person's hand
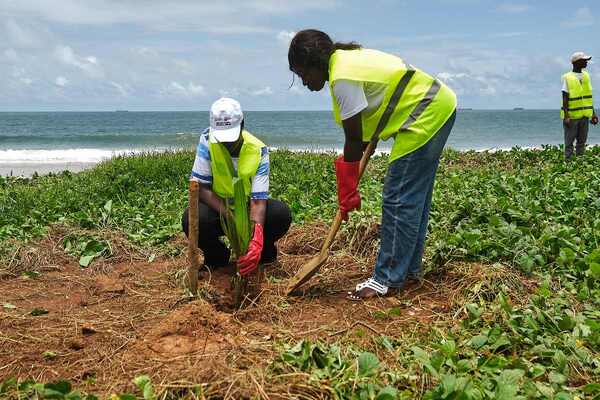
(347, 186)
(567, 121)
(594, 120)
(249, 261)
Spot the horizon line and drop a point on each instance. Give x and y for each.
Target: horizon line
(251, 110)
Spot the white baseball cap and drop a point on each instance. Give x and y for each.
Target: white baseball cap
(580, 55)
(226, 118)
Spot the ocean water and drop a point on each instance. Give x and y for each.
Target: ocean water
(83, 137)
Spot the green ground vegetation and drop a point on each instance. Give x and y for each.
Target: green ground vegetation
(526, 209)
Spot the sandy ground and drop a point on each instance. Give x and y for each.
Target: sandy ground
(125, 316)
(28, 169)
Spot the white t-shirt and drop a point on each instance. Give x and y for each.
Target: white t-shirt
(565, 87)
(353, 97)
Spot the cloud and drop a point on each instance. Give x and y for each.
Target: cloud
(583, 17)
(176, 89)
(120, 88)
(11, 55)
(184, 66)
(513, 8)
(464, 83)
(474, 72)
(386, 41)
(158, 15)
(298, 91)
(61, 81)
(19, 35)
(20, 74)
(146, 52)
(17, 72)
(508, 34)
(89, 64)
(231, 92)
(285, 37)
(266, 91)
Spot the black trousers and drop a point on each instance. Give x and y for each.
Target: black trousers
(277, 222)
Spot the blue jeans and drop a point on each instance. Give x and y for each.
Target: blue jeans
(406, 200)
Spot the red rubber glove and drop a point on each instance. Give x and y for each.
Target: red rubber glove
(249, 261)
(347, 186)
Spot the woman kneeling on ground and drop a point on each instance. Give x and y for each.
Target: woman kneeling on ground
(250, 159)
(379, 95)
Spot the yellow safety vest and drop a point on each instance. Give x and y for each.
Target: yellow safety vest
(580, 103)
(414, 107)
(248, 162)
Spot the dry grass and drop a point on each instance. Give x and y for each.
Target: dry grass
(125, 317)
(48, 253)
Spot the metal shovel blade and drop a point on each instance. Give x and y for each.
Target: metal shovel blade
(312, 266)
(305, 273)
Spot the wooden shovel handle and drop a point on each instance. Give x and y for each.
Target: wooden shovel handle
(337, 221)
(193, 254)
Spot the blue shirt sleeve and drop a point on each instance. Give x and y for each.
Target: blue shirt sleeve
(201, 171)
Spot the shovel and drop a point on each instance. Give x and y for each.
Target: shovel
(193, 253)
(311, 267)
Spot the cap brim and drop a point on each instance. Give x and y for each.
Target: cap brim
(224, 135)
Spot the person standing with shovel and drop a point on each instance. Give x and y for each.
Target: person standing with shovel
(378, 96)
(229, 158)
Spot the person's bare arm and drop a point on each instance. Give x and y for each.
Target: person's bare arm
(258, 211)
(210, 198)
(353, 145)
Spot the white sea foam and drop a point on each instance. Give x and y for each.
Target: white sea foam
(59, 156)
(316, 150)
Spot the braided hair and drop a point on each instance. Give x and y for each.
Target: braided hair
(312, 48)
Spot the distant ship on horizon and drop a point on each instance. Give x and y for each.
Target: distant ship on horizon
(518, 109)
(119, 111)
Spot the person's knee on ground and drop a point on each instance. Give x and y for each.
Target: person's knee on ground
(277, 223)
(216, 253)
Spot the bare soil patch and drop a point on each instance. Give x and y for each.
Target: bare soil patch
(103, 325)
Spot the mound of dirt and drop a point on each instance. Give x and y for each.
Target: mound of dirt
(196, 327)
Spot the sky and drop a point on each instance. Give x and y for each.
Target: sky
(84, 55)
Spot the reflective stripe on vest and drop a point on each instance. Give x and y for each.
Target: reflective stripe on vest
(248, 162)
(581, 102)
(414, 107)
